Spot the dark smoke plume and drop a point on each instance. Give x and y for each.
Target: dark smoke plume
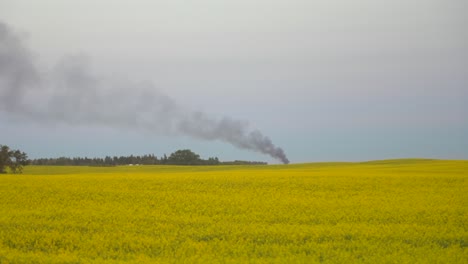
(72, 93)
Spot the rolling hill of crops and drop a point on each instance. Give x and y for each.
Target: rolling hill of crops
(393, 211)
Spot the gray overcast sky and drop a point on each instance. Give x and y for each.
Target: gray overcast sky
(325, 80)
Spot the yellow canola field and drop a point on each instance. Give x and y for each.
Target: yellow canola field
(395, 211)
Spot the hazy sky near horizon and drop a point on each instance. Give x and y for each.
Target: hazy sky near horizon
(325, 80)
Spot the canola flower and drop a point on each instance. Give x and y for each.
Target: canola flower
(396, 211)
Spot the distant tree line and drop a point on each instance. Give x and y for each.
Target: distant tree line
(107, 161)
(179, 157)
(12, 159)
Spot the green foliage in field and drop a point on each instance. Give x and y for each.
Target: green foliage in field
(398, 211)
(12, 159)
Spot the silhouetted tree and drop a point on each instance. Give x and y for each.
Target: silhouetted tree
(211, 161)
(164, 159)
(14, 159)
(4, 158)
(184, 157)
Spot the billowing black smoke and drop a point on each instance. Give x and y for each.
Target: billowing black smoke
(72, 93)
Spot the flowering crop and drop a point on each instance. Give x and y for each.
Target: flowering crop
(397, 211)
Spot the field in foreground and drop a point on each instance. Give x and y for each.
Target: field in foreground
(398, 211)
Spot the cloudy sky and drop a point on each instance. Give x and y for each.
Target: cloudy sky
(324, 80)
